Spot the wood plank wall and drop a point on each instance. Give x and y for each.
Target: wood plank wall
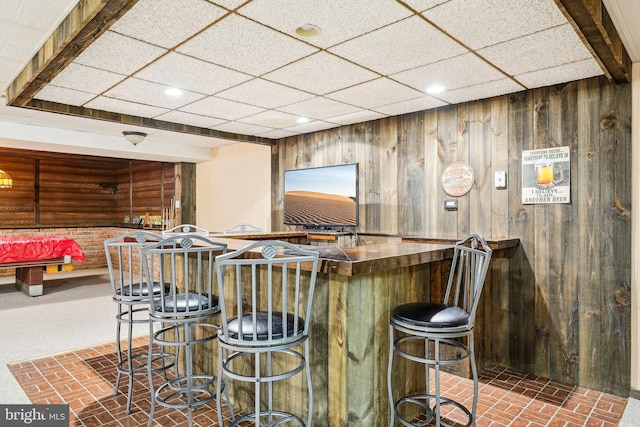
(562, 301)
(70, 190)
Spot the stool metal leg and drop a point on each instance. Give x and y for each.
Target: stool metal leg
(392, 411)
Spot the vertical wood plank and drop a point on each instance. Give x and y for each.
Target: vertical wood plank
(589, 220)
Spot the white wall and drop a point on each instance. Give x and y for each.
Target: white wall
(234, 187)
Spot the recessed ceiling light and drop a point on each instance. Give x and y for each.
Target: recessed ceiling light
(303, 120)
(435, 89)
(307, 30)
(173, 91)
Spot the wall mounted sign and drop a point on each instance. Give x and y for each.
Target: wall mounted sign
(546, 175)
(457, 179)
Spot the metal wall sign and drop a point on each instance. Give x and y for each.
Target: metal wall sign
(546, 175)
(457, 179)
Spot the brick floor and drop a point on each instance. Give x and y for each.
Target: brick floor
(84, 379)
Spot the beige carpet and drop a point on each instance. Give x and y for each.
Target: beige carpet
(76, 311)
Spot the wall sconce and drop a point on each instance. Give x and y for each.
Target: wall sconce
(134, 137)
(5, 180)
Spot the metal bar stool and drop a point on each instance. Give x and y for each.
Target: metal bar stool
(131, 292)
(181, 319)
(266, 293)
(434, 335)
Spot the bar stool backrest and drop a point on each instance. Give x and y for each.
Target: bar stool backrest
(123, 253)
(182, 229)
(268, 284)
(468, 271)
(185, 263)
(243, 228)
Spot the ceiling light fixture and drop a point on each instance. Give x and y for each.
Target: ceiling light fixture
(308, 30)
(5, 180)
(435, 89)
(302, 120)
(173, 91)
(134, 137)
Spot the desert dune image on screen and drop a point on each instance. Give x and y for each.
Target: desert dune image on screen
(321, 196)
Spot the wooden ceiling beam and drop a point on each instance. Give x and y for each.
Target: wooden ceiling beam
(72, 110)
(84, 24)
(594, 26)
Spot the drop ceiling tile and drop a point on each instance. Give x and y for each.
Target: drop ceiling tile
(319, 108)
(229, 4)
(144, 92)
(375, 93)
(64, 95)
(481, 91)
(190, 119)
(321, 73)
(549, 48)
(406, 44)
(452, 73)
(277, 134)
(86, 79)
(422, 5)
(338, 20)
(314, 126)
(272, 119)
(192, 74)
(119, 54)
(167, 22)
(264, 94)
(125, 107)
(417, 104)
(242, 128)
(560, 74)
(358, 117)
(474, 22)
(221, 108)
(256, 51)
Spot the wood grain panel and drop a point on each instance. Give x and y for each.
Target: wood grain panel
(69, 190)
(558, 305)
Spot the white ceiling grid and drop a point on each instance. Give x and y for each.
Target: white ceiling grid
(243, 69)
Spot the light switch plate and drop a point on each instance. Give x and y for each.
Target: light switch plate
(500, 179)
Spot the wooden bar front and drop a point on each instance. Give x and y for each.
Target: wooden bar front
(350, 327)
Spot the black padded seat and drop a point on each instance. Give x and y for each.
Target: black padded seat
(438, 335)
(434, 315)
(265, 302)
(181, 321)
(194, 302)
(142, 289)
(262, 326)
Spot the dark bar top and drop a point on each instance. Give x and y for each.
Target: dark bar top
(355, 260)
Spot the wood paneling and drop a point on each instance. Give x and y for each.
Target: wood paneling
(559, 307)
(17, 204)
(69, 190)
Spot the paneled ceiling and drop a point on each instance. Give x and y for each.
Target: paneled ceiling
(244, 72)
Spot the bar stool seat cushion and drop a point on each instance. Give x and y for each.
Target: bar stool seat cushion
(430, 315)
(184, 303)
(262, 326)
(142, 289)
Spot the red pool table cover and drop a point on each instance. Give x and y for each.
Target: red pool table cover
(14, 249)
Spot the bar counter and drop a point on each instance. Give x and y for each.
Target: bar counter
(350, 323)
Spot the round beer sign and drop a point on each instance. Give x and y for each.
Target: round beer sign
(457, 179)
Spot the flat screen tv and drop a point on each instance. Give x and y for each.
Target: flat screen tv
(322, 197)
